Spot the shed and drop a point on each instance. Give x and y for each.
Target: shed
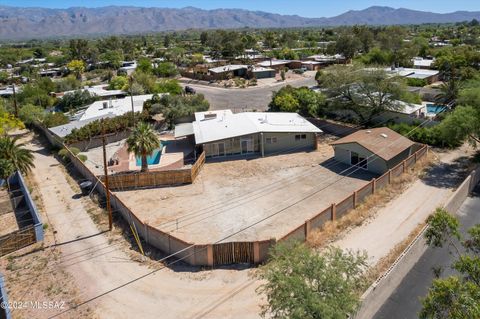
(376, 150)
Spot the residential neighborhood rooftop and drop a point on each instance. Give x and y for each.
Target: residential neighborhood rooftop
(224, 124)
(115, 107)
(382, 141)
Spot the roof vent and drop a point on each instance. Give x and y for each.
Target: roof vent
(384, 135)
(369, 131)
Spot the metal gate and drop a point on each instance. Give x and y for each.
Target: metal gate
(16, 240)
(233, 253)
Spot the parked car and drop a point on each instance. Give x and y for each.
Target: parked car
(190, 90)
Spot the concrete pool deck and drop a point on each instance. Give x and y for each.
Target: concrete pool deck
(174, 154)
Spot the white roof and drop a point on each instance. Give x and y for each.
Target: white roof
(99, 90)
(408, 108)
(227, 68)
(64, 130)
(183, 129)
(412, 73)
(423, 62)
(115, 107)
(311, 62)
(228, 125)
(268, 63)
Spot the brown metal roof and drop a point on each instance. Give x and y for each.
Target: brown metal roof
(381, 141)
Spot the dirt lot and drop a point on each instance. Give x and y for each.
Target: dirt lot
(231, 195)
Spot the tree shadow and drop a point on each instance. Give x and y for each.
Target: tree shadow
(447, 175)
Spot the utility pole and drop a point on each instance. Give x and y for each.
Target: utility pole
(130, 79)
(105, 170)
(15, 100)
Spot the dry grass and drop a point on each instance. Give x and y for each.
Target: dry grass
(322, 237)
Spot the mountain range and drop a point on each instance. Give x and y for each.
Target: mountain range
(27, 23)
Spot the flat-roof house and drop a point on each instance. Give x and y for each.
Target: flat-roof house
(376, 150)
(96, 90)
(241, 70)
(429, 76)
(115, 107)
(223, 133)
(278, 65)
(421, 63)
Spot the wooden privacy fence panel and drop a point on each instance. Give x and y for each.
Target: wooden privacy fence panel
(410, 161)
(382, 181)
(364, 192)
(17, 240)
(320, 220)
(397, 170)
(344, 206)
(233, 253)
(155, 178)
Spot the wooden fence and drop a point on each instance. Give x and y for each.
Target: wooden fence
(238, 252)
(134, 180)
(336, 211)
(17, 240)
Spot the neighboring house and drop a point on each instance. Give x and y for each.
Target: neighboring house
(115, 107)
(311, 65)
(279, 65)
(421, 63)
(63, 130)
(128, 67)
(376, 150)
(404, 113)
(327, 59)
(222, 133)
(96, 90)
(240, 70)
(430, 76)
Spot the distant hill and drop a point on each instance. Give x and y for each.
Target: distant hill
(27, 23)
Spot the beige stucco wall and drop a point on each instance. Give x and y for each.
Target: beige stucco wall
(375, 163)
(286, 142)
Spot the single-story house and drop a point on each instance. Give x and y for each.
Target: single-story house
(421, 63)
(279, 65)
(96, 90)
(376, 150)
(327, 59)
(430, 76)
(241, 70)
(222, 133)
(128, 67)
(115, 107)
(403, 113)
(311, 65)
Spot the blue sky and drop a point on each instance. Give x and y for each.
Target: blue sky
(306, 8)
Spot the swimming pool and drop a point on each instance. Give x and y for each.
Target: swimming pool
(435, 109)
(152, 159)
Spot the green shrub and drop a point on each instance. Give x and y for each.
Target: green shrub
(83, 157)
(416, 82)
(55, 119)
(63, 153)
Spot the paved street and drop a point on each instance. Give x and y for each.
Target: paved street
(404, 303)
(253, 98)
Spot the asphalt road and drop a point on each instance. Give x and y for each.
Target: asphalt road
(253, 98)
(404, 303)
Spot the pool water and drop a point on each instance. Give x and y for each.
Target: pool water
(152, 159)
(435, 109)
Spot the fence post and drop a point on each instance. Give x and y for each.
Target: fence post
(355, 195)
(389, 176)
(415, 157)
(256, 252)
(333, 209)
(307, 228)
(209, 255)
(374, 185)
(404, 164)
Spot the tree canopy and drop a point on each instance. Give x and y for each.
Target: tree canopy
(301, 283)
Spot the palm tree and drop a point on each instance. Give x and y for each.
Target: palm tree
(142, 142)
(13, 156)
(449, 92)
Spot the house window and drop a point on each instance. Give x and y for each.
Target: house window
(299, 137)
(271, 140)
(358, 160)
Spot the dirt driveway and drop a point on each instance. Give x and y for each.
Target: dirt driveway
(232, 195)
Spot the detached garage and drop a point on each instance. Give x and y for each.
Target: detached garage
(376, 150)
